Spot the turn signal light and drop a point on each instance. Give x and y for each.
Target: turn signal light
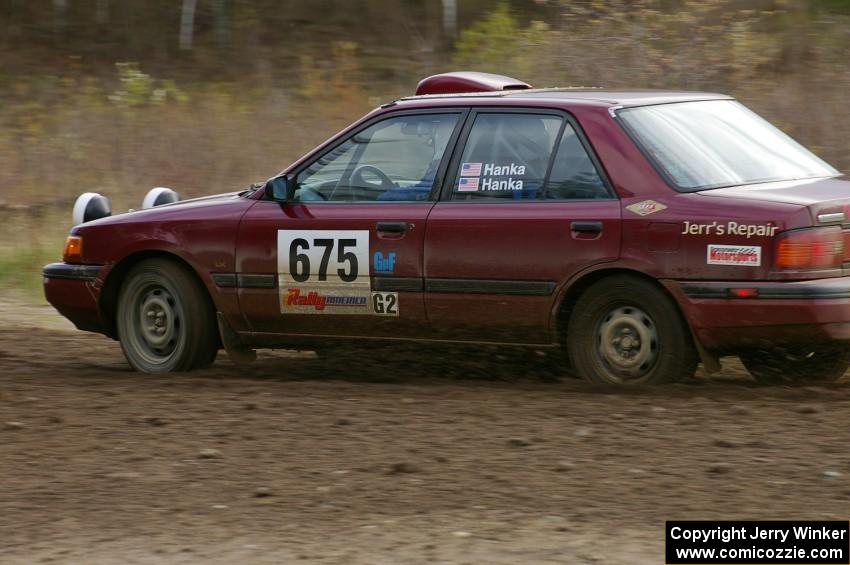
(73, 249)
(816, 248)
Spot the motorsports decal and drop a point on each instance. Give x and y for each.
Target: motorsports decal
(490, 177)
(737, 255)
(327, 272)
(729, 228)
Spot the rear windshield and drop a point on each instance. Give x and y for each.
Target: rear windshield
(717, 143)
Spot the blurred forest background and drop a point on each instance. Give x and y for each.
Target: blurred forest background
(206, 96)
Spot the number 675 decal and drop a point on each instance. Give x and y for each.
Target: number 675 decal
(324, 257)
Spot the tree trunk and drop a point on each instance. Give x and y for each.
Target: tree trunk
(101, 12)
(60, 22)
(450, 18)
(222, 24)
(187, 25)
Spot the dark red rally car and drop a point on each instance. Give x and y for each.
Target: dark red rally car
(643, 231)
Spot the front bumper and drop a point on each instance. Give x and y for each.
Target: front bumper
(72, 272)
(71, 290)
(782, 313)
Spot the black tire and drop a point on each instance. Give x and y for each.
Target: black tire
(824, 364)
(627, 331)
(165, 321)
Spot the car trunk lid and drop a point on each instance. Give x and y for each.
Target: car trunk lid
(807, 192)
(828, 200)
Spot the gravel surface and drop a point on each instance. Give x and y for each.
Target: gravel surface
(392, 456)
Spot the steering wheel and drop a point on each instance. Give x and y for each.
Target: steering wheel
(357, 178)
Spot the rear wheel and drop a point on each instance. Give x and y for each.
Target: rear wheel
(802, 365)
(165, 322)
(625, 330)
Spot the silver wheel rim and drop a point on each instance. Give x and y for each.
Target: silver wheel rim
(627, 343)
(156, 323)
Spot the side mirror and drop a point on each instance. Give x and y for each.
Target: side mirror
(281, 189)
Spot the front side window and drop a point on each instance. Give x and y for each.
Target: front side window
(393, 160)
(509, 156)
(716, 143)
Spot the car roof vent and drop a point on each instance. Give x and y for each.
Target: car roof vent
(460, 82)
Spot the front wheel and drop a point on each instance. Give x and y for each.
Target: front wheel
(625, 331)
(797, 366)
(165, 322)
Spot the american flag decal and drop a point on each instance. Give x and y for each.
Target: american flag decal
(467, 185)
(470, 170)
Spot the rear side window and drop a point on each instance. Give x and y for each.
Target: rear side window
(574, 176)
(509, 157)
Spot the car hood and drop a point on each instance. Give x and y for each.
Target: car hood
(194, 201)
(166, 210)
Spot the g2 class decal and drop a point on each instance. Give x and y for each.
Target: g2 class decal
(385, 303)
(729, 228)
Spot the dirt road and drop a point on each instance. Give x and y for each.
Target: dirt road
(387, 458)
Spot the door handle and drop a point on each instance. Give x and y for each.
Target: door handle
(586, 227)
(392, 227)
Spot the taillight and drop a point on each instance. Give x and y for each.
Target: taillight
(73, 249)
(816, 248)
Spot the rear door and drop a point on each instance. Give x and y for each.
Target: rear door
(524, 208)
(345, 256)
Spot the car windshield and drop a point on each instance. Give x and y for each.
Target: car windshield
(716, 143)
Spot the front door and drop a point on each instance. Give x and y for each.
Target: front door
(525, 208)
(345, 256)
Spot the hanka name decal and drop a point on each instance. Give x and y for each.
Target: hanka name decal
(490, 177)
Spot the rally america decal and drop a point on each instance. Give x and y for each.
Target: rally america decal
(489, 177)
(327, 272)
(737, 255)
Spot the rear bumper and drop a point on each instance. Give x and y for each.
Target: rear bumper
(71, 290)
(783, 313)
